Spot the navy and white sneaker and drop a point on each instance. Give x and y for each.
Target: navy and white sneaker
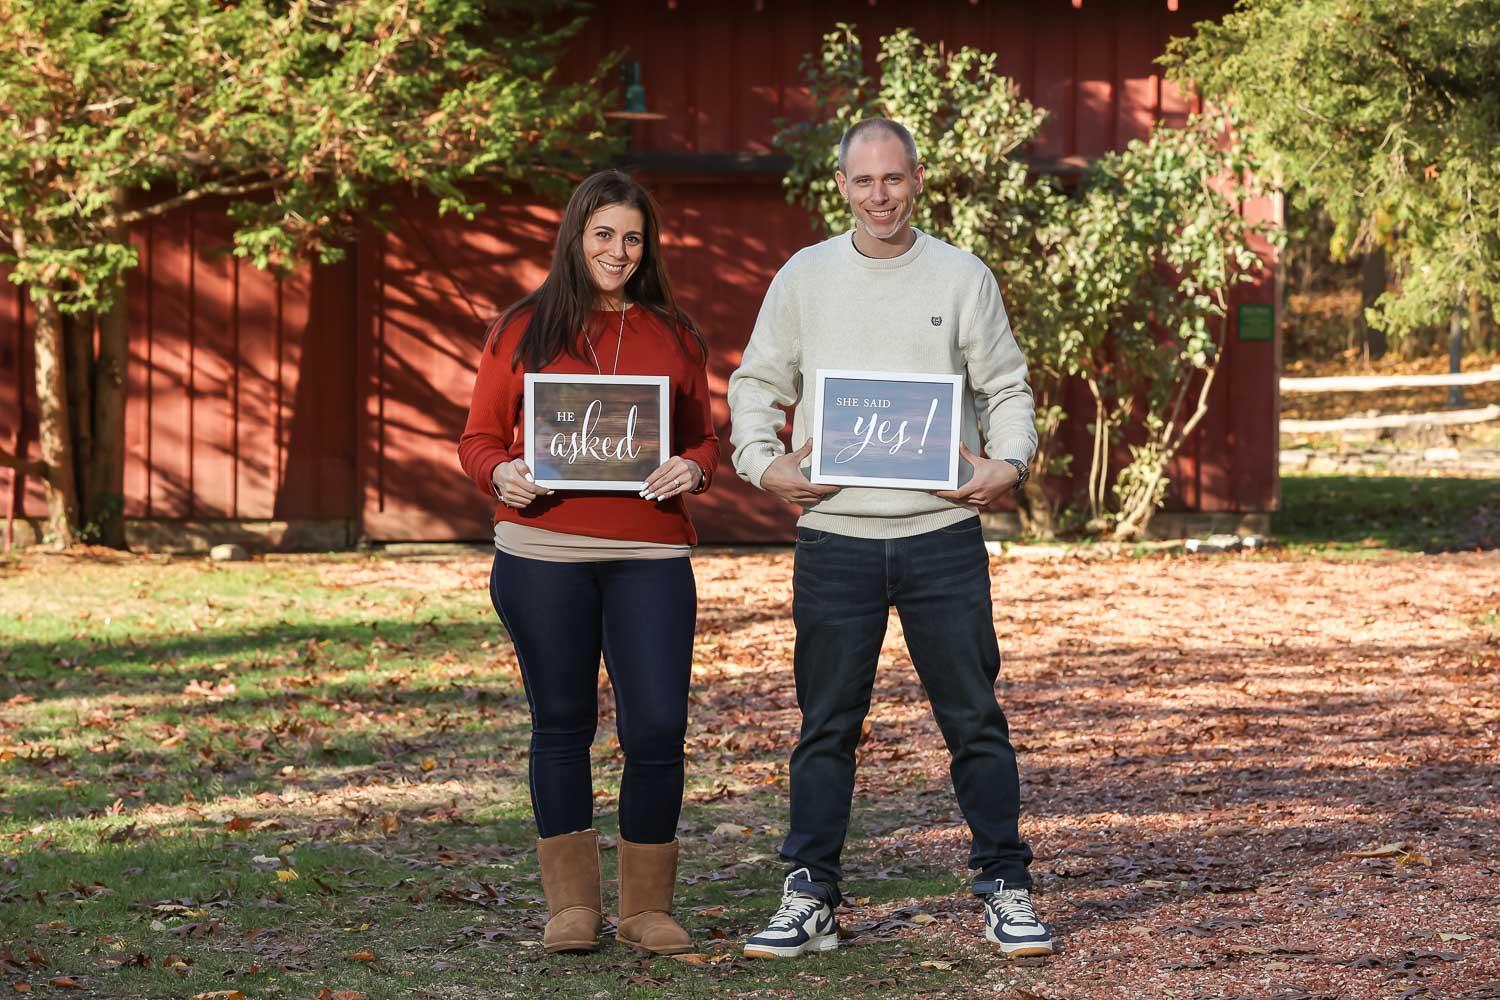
(1011, 922)
(803, 923)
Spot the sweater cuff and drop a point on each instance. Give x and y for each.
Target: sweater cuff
(753, 467)
(1021, 451)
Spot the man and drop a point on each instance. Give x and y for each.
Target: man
(888, 297)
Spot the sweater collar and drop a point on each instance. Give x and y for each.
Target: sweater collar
(883, 263)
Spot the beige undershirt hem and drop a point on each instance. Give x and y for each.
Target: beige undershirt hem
(556, 546)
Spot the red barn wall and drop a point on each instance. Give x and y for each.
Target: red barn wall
(339, 392)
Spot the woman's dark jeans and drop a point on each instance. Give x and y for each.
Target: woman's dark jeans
(641, 614)
(939, 583)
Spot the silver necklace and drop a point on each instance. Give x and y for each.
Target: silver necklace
(599, 368)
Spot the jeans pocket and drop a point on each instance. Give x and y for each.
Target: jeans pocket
(964, 527)
(808, 537)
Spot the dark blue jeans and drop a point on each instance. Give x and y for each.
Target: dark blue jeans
(939, 583)
(641, 614)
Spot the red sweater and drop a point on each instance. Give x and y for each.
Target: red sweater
(493, 433)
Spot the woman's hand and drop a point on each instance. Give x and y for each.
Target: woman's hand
(512, 484)
(676, 475)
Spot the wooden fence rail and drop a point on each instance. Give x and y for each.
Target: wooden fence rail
(1374, 383)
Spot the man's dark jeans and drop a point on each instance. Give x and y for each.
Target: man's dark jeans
(843, 588)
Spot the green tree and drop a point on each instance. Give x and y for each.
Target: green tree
(1387, 114)
(1147, 260)
(298, 113)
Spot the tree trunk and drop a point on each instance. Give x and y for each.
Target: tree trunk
(53, 424)
(1372, 286)
(1038, 520)
(78, 362)
(1456, 347)
(104, 481)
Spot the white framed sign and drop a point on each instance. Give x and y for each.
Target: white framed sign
(596, 432)
(894, 429)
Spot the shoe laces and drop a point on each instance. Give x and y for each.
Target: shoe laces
(795, 908)
(1012, 906)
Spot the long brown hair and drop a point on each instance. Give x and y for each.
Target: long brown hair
(560, 306)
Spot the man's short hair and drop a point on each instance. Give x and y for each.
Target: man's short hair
(873, 125)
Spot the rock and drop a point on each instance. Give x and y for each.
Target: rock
(229, 552)
(1213, 543)
(1449, 454)
(1255, 543)
(1295, 458)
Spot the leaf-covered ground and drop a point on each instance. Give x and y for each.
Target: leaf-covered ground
(1266, 775)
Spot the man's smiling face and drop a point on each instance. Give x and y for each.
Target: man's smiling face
(881, 185)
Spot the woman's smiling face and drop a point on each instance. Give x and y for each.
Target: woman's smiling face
(613, 244)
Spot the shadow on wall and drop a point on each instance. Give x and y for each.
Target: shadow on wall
(337, 394)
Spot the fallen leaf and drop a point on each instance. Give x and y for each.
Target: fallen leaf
(694, 958)
(429, 764)
(238, 824)
(389, 823)
(66, 983)
(731, 830)
(1383, 851)
(286, 874)
(1448, 936)
(363, 955)
(933, 963)
(212, 692)
(923, 918)
(21, 987)
(327, 994)
(1227, 829)
(220, 995)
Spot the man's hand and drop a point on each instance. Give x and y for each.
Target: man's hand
(513, 485)
(784, 478)
(993, 478)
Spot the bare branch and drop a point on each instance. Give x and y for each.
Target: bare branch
(27, 466)
(109, 105)
(188, 197)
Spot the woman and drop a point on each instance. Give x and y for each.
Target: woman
(580, 573)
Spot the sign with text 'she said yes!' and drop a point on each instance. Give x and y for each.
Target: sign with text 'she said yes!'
(886, 429)
(596, 432)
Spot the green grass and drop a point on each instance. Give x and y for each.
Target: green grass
(174, 734)
(1408, 513)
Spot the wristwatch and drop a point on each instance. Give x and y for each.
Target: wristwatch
(1022, 473)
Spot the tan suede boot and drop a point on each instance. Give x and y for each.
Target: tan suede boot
(648, 874)
(570, 878)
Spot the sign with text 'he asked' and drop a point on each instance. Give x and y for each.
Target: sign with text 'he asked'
(596, 432)
(895, 429)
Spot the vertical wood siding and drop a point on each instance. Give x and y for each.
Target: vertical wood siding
(339, 391)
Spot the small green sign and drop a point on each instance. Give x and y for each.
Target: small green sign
(1257, 322)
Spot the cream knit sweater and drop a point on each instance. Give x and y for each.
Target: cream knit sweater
(934, 309)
